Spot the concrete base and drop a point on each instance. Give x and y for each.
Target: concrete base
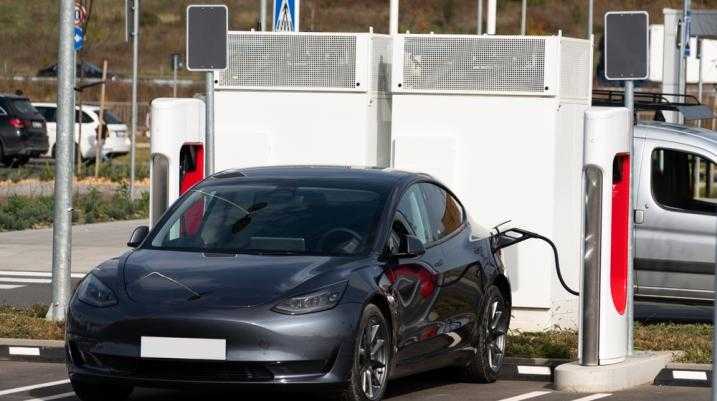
(639, 369)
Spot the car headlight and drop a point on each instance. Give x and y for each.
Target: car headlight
(318, 301)
(93, 292)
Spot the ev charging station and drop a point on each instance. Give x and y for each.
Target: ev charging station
(606, 230)
(499, 119)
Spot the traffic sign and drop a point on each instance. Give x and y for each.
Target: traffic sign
(207, 38)
(80, 14)
(79, 38)
(626, 45)
(286, 15)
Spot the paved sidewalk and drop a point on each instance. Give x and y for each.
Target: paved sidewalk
(31, 250)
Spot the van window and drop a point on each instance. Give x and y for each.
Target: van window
(684, 181)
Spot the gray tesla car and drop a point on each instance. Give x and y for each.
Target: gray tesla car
(328, 276)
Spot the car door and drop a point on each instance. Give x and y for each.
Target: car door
(50, 114)
(433, 320)
(675, 222)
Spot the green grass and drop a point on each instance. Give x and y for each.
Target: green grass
(116, 170)
(695, 340)
(26, 212)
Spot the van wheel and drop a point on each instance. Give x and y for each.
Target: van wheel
(490, 338)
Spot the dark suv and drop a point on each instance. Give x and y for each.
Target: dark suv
(23, 133)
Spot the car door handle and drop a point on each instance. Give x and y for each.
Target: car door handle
(639, 217)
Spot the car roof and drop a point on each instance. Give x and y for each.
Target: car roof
(13, 96)
(375, 175)
(85, 107)
(672, 132)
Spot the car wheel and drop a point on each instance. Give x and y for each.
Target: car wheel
(101, 392)
(490, 338)
(21, 161)
(372, 357)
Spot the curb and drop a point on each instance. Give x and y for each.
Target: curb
(530, 369)
(12, 349)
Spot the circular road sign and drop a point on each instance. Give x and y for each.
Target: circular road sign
(80, 14)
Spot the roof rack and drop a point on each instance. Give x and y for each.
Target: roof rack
(688, 105)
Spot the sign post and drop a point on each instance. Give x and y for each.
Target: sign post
(207, 28)
(626, 59)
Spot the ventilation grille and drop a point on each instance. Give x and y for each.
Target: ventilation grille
(575, 69)
(477, 64)
(289, 61)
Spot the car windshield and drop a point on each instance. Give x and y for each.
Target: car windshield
(278, 218)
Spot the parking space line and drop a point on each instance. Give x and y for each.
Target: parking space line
(33, 387)
(35, 274)
(593, 397)
(527, 396)
(25, 280)
(10, 287)
(53, 397)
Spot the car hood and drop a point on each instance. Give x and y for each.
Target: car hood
(159, 277)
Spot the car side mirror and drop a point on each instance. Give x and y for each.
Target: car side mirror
(138, 235)
(410, 247)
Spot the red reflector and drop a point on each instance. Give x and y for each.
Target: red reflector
(16, 123)
(620, 232)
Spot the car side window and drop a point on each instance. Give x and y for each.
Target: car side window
(48, 113)
(3, 112)
(85, 117)
(684, 181)
(445, 214)
(412, 210)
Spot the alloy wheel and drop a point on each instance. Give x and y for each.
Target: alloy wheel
(496, 337)
(373, 358)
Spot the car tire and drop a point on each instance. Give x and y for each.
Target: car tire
(491, 336)
(21, 161)
(101, 391)
(372, 358)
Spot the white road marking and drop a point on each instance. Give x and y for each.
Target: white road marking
(53, 397)
(25, 280)
(35, 274)
(593, 397)
(33, 387)
(10, 286)
(30, 351)
(527, 396)
(533, 370)
(689, 375)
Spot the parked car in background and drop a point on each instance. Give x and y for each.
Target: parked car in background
(23, 132)
(116, 142)
(88, 70)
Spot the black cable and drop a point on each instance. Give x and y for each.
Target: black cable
(557, 263)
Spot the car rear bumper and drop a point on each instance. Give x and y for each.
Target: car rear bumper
(115, 146)
(261, 350)
(25, 144)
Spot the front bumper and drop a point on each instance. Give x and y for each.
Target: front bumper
(263, 347)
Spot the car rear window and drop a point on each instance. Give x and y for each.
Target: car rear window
(23, 106)
(111, 118)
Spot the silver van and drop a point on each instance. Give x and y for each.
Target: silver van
(675, 212)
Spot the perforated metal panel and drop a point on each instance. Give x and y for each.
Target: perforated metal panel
(473, 63)
(575, 69)
(291, 61)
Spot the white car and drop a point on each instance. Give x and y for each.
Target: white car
(116, 143)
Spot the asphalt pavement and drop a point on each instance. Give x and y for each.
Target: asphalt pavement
(47, 381)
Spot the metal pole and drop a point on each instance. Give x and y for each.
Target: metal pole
(684, 38)
(393, 15)
(700, 82)
(263, 15)
(135, 68)
(480, 17)
(175, 67)
(62, 227)
(209, 122)
(523, 17)
(492, 11)
(630, 104)
(590, 18)
(101, 129)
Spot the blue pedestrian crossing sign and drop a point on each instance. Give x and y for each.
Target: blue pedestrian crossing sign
(286, 15)
(79, 38)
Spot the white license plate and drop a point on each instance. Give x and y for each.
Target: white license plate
(183, 348)
(120, 134)
(36, 124)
